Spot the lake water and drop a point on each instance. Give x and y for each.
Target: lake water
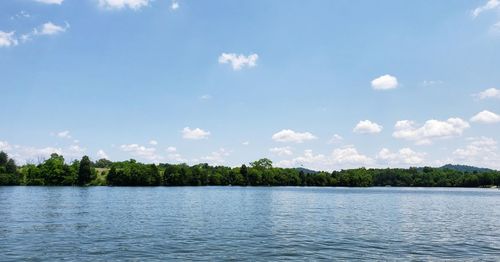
(235, 223)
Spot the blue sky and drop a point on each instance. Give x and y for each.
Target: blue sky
(320, 84)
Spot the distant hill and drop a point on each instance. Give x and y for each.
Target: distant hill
(305, 170)
(464, 168)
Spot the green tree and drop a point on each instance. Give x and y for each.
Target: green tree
(84, 171)
(263, 163)
(10, 167)
(3, 158)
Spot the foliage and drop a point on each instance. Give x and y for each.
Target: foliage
(55, 172)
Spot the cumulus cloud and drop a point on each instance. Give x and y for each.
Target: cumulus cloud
(308, 159)
(384, 82)
(4, 146)
(490, 5)
(173, 155)
(8, 39)
(367, 127)
(281, 151)
(350, 155)
(287, 135)
(343, 157)
(135, 150)
(488, 93)
(486, 117)
(404, 156)
(194, 134)
(30, 154)
(480, 151)
(216, 157)
(120, 4)
(50, 2)
(101, 154)
(246, 143)
(432, 129)
(238, 61)
(153, 142)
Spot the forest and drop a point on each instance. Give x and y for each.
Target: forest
(55, 171)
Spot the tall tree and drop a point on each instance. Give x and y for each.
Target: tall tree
(3, 158)
(11, 167)
(85, 171)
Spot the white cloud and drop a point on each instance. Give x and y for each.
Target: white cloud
(238, 61)
(246, 143)
(174, 5)
(344, 157)
(491, 4)
(488, 93)
(50, 28)
(428, 83)
(4, 146)
(404, 156)
(281, 151)
(120, 4)
(336, 138)
(432, 129)
(148, 153)
(171, 149)
(216, 157)
(495, 28)
(384, 82)
(50, 2)
(205, 97)
(480, 151)
(350, 155)
(367, 127)
(287, 135)
(8, 39)
(31, 154)
(195, 134)
(21, 14)
(64, 134)
(153, 142)
(101, 154)
(309, 159)
(486, 117)
(74, 151)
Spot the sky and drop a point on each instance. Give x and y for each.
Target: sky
(325, 85)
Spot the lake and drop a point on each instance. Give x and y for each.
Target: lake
(248, 223)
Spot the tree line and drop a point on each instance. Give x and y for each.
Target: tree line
(56, 172)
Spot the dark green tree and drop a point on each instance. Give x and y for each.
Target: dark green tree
(84, 171)
(3, 158)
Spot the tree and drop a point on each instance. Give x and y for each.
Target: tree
(244, 173)
(103, 163)
(85, 171)
(263, 163)
(11, 167)
(3, 158)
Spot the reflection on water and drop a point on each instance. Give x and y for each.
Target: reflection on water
(218, 223)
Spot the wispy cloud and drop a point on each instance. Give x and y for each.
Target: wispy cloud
(120, 4)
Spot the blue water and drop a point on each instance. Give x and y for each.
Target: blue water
(234, 223)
